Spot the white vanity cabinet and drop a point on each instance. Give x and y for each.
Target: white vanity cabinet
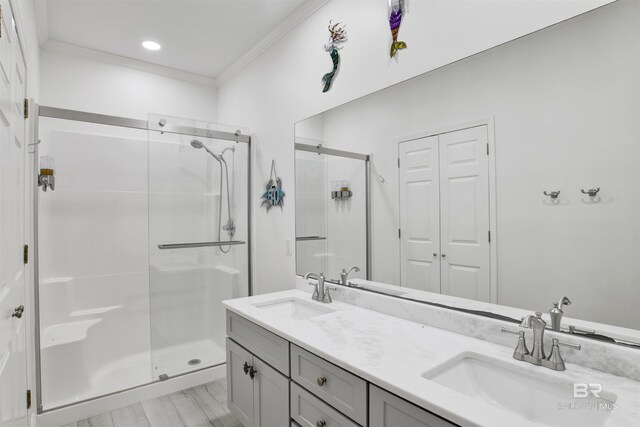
(274, 383)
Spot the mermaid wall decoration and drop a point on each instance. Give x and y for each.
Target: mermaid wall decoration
(337, 36)
(396, 10)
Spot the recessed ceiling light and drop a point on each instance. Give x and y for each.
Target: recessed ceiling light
(151, 45)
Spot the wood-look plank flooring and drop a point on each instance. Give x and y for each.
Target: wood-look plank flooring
(201, 406)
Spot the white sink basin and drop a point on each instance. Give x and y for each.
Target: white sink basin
(293, 308)
(543, 399)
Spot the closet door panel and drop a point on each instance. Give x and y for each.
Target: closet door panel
(464, 213)
(419, 214)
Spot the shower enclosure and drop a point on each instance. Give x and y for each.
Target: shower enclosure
(144, 233)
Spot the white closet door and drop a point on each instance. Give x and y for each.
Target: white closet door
(13, 374)
(464, 213)
(419, 214)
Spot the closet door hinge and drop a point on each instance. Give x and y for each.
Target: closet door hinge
(26, 108)
(28, 399)
(25, 254)
(489, 235)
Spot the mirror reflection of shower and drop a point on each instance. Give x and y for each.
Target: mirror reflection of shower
(230, 226)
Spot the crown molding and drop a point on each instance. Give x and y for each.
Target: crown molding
(292, 21)
(96, 55)
(42, 23)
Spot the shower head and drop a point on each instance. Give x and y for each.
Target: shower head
(198, 145)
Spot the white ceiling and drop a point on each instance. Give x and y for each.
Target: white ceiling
(202, 37)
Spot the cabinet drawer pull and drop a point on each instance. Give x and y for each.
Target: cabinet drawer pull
(321, 381)
(252, 372)
(321, 423)
(245, 368)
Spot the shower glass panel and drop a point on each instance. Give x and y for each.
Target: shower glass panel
(331, 214)
(93, 262)
(130, 269)
(312, 199)
(198, 243)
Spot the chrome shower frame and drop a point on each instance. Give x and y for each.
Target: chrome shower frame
(162, 126)
(366, 158)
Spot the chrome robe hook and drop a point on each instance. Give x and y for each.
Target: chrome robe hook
(592, 192)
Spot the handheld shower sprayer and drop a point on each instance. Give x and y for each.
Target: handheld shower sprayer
(230, 226)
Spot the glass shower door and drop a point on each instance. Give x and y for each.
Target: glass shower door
(198, 244)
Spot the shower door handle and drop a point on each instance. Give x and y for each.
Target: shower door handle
(199, 244)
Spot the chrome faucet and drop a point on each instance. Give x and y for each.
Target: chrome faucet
(537, 355)
(321, 292)
(556, 313)
(538, 325)
(344, 276)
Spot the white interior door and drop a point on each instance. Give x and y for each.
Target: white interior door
(13, 375)
(419, 214)
(464, 213)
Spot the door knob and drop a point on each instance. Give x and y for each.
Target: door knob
(17, 312)
(321, 381)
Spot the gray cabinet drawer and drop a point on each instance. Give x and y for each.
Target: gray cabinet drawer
(269, 347)
(388, 410)
(339, 388)
(309, 411)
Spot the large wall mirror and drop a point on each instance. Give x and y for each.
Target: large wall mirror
(510, 178)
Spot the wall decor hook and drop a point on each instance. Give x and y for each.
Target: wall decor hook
(592, 192)
(552, 194)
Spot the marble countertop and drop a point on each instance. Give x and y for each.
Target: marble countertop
(616, 332)
(393, 353)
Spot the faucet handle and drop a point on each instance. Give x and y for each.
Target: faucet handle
(316, 293)
(521, 349)
(327, 294)
(555, 360)
(573, 330)
(556, 341)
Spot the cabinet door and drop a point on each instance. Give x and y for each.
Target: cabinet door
(388, 410)
(270, 396)
(239, 385)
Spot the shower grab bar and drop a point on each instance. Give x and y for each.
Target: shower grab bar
(304, 239)
(199, 245)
